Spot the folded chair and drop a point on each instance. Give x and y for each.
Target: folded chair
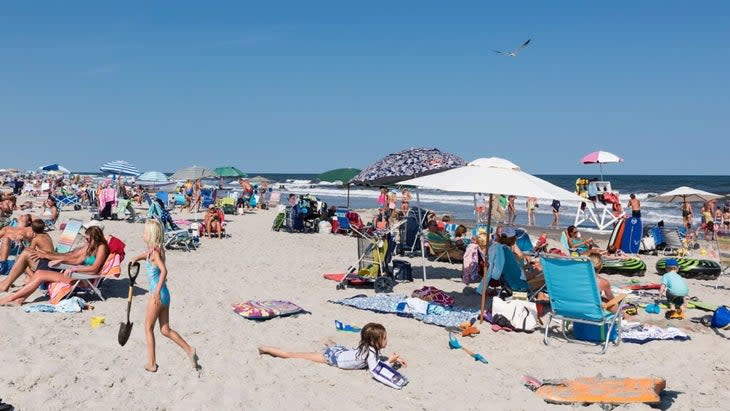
(574, 297)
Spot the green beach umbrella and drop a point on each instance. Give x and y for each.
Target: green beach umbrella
(339, 174)
(229, 172)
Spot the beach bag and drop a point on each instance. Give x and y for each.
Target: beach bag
(385, 373)
(522, 315)
(647, 244)
(279, 221)
(402, 271)
(721, 317)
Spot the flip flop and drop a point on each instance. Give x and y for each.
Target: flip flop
(346, 327)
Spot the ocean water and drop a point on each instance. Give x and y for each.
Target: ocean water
(461, 205)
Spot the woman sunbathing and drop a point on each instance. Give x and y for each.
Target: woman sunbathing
(88, 260)
(212, 222)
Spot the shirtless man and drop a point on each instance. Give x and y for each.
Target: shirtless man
(39, 241)
(635, 206)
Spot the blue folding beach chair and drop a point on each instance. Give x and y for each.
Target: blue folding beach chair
(342, 220)
(574, 297)
(503, 267)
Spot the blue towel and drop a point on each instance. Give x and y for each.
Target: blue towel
(388, 304)
(71, 305)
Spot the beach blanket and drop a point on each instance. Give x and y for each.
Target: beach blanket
(71, 305)
(641, 334)
(388, 304)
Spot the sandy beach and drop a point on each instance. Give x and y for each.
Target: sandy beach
(57, 361)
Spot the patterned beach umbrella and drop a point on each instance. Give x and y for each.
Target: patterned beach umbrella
(407, 164)
(192, 173)
(154, 177)
(120, 168)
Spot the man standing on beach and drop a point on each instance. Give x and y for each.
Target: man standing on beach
(635, 206)
(556, 212)
(511, 209)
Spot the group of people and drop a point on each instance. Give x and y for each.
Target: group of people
(38, 260)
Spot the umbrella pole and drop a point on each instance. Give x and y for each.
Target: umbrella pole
(420, 235)
(486, 263)
(600, 167)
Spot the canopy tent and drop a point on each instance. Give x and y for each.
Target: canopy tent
(229, 171)
(404, 164)
(684, 193)
(192, 173)
(600, 158)
(54, 167)
(339, 174)
(493, 176)
(120, 167)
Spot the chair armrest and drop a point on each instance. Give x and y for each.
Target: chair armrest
(615, 301)
(79, 276)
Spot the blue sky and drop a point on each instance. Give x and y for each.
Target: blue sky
(308, 86)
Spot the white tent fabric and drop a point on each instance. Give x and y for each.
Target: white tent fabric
(684, 193)
(493, 175)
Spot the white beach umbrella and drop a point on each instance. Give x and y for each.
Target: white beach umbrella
(192, 173)
(684, 193)
(493, 176)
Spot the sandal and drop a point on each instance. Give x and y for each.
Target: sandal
(346, 327)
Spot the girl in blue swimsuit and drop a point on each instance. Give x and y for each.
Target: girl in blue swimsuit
(158, 307)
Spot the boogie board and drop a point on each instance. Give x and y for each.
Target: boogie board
(602, 390)
(631, 239)
(353, 279)
(265, 310)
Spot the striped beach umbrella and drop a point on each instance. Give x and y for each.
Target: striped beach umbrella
(120, 167)
(153, 176)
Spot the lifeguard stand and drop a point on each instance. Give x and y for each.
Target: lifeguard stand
(602, 206)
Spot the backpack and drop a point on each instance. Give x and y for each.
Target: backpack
(402, 271)
(721, 317)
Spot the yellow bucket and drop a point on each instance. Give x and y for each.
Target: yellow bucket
(97, 321)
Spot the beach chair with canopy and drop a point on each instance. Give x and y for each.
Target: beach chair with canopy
(723, 254)
(574, 297)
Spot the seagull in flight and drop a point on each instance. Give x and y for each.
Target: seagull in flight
(513, 53)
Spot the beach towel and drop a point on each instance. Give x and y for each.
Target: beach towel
(638, 333)
(72, 305)
(266, 310)
(433, 294)
(388, 304)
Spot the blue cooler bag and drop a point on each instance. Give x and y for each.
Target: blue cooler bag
(593, 333)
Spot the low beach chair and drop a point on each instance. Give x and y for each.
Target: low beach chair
(91, 283)
(443, 249)
(574, 297)
(722, 241)
(504, 268)
(566, 245)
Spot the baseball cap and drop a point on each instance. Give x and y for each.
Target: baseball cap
(509, 232)
(671, 262)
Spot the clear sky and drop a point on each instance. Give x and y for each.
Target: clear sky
(306, 86)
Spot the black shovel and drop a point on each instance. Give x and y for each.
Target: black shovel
(126, 329)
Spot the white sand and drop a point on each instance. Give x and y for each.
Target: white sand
(57, 361)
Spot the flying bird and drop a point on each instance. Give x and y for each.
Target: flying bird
(513, 53)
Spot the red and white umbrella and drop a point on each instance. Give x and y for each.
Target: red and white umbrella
(601, 157)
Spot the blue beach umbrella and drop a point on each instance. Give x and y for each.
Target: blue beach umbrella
(120, 167)
(54, 167)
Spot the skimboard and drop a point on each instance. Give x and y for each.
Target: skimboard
(615, 238)
(602, 390)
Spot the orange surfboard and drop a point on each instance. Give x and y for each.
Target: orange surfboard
(591, 390)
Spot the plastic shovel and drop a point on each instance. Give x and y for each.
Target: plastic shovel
(454, 344)
(126, 329)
